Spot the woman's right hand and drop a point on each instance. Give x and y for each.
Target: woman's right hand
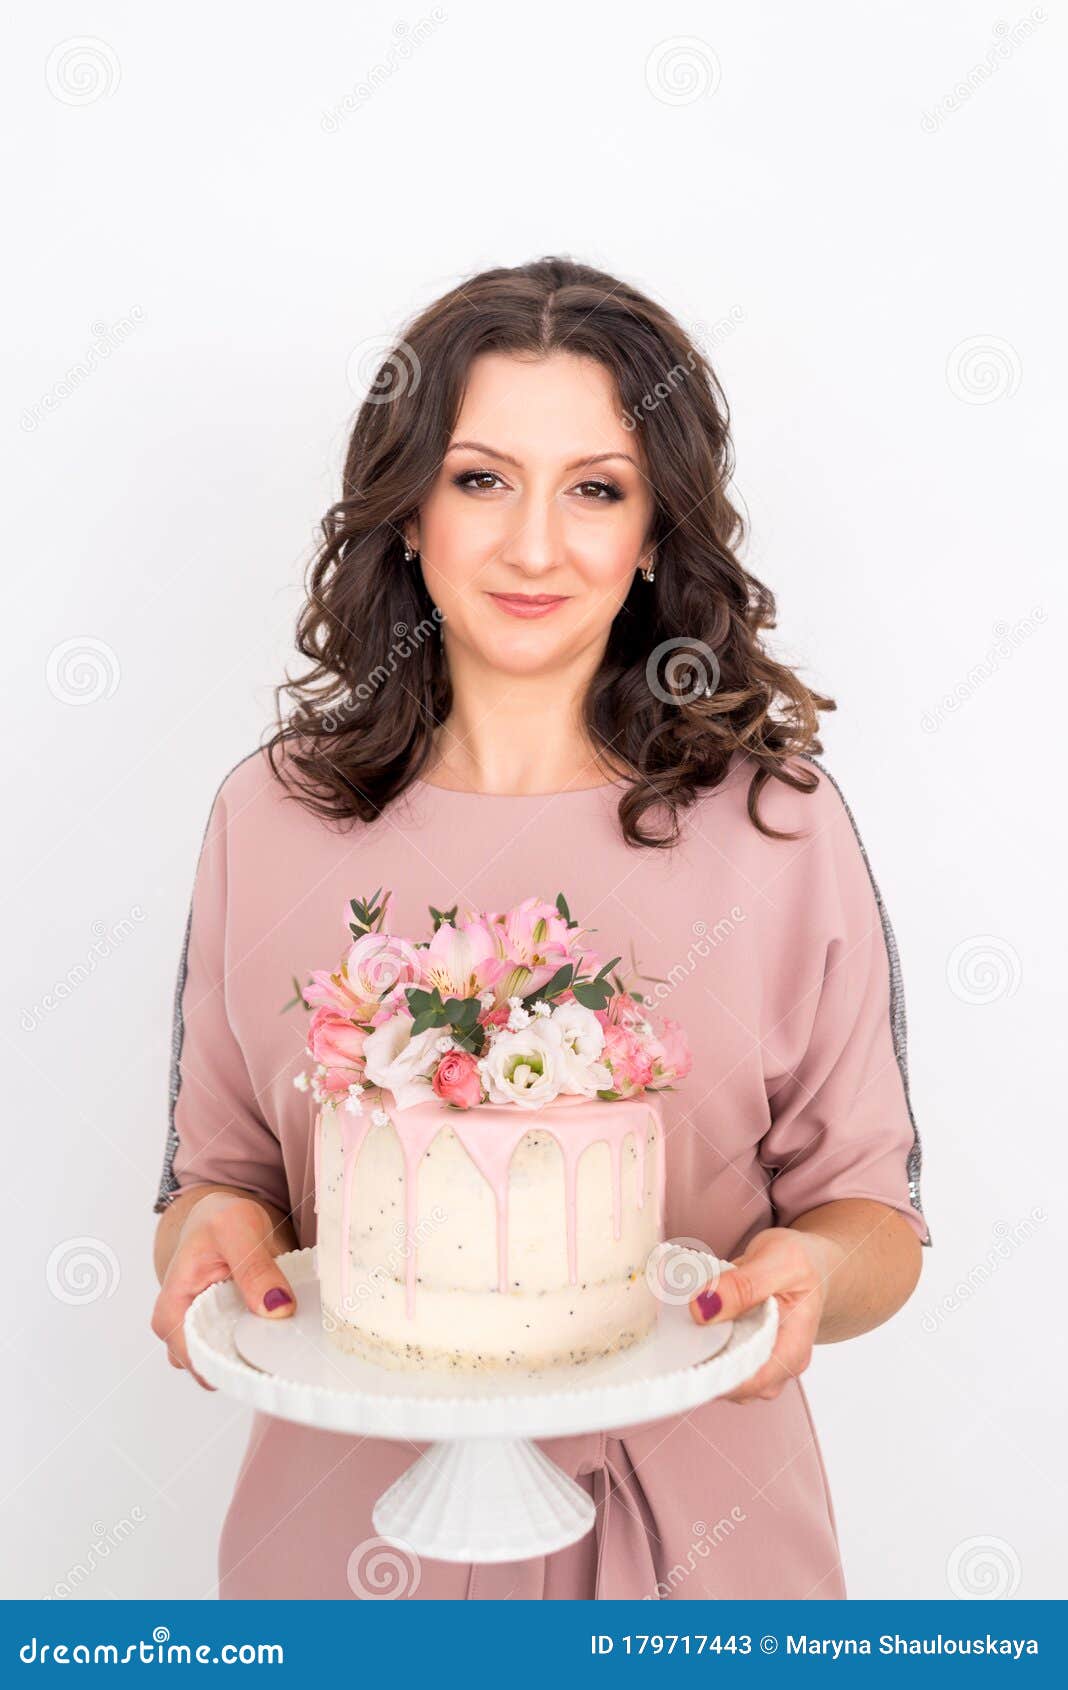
(224, 1236)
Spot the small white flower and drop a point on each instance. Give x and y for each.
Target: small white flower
(357, 1089)
(515, 1003)
(379, 1117)
(301, 1081)
(486, 1000)
(542, 1008)
(321, 1069)
(353, 1106)
(518, 1017)
(445, 1043)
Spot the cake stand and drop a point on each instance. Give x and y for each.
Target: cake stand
(482, 1491)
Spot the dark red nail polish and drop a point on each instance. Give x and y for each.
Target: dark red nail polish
(709, 1303)
(275, 1298)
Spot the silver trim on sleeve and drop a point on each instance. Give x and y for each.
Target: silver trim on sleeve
(898, 1025)
(168, 1185)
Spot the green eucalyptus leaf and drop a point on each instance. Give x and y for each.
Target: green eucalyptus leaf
(558, 983)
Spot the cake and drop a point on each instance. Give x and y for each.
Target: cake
(489, 1238)
(489, 1147)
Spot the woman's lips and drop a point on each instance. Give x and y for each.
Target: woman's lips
(528, 604)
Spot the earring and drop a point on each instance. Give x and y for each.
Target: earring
(648, 574)
(409, 555)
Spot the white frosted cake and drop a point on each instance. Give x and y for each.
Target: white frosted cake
(491, 1237)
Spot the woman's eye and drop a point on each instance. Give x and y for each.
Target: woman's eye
(475, 478)
(487, 481)
(603, 489)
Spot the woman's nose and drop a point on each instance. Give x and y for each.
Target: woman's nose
(534, 541)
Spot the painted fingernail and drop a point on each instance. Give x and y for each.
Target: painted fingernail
(276, 1297)
(709, 1303)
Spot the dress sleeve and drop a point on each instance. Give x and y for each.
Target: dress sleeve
(841, 1118)
(216, 1131)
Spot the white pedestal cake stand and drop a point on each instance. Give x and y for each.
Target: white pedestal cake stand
(482, 1491)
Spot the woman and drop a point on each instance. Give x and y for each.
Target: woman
(536, 664)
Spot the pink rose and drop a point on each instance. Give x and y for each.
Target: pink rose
(631, 1068)
(670, 1053)
(456, 1079)
(336, 1042)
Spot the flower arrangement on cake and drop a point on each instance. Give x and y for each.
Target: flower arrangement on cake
(489, 1132)
(498, 1008)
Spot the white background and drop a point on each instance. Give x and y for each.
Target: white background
(858, 219)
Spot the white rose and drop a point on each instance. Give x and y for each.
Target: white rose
(581, 1041)
(523, 1067)
(400, 1064)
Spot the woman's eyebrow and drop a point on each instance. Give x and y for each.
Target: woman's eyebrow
(505, 458)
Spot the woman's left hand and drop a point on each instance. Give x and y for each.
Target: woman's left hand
(792, 1266)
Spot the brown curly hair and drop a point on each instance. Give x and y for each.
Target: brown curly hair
(685, 681)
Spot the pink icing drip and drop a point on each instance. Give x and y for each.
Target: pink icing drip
(353, 1132)
(490, 1135)
(616, 1152)
(415, 1141)
(610, 1127)
(491, 1146)
(571, 1153)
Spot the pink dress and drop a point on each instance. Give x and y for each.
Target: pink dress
(777, 959)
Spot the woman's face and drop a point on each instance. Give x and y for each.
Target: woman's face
(539, 516)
